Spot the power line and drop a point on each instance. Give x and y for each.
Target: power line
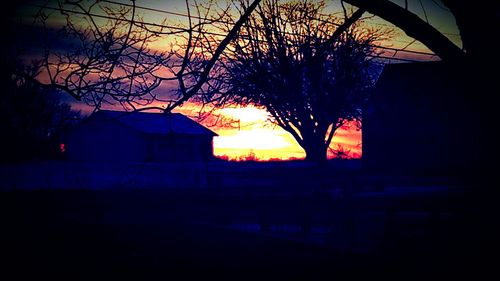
(393, 26)
(440, 6)
(107, 17)
(402, 50)
(196, 17)
(179, 29)
(394, 58)
(221, 21)
(158, 10)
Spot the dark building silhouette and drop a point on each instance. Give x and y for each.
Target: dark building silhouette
(114, 136)
(416, 120)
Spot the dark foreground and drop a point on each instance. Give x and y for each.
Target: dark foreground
(172, 235)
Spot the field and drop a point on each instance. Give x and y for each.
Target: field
(239, 220)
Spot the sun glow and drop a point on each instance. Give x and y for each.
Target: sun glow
(252, 136)
(257, 138)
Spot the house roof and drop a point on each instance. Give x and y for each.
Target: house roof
(418, 73)
(431, 81)
(156, 123)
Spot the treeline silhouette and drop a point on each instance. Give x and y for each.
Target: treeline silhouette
(31, 119)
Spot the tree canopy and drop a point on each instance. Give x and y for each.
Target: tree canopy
(31, 118)
(309, 70)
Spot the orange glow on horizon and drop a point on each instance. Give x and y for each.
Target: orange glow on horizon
(260, 140)
(255, 137)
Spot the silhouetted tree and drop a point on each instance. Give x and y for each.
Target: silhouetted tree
(340, 152)
(30, 119)
(475, 22)
(413, 25)
(311, 71)
(471, 65)
(109, 58)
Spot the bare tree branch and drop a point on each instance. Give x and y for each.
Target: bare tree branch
(220, 48)
(309, 72)
(413, 26)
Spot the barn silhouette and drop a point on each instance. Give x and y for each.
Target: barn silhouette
(115, 136)
(415, 120)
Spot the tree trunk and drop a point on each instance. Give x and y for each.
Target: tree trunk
(315, 151)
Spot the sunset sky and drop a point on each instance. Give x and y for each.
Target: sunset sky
(255, 134)
(252, 132)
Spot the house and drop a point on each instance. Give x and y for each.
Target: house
(416, 120)
(114, 136)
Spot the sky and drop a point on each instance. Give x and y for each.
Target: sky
(251, 133)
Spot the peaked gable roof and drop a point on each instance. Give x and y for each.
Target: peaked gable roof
(415, 74)
(155, 123)
(430, 82)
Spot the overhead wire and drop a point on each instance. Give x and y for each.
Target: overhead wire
(180, 29)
